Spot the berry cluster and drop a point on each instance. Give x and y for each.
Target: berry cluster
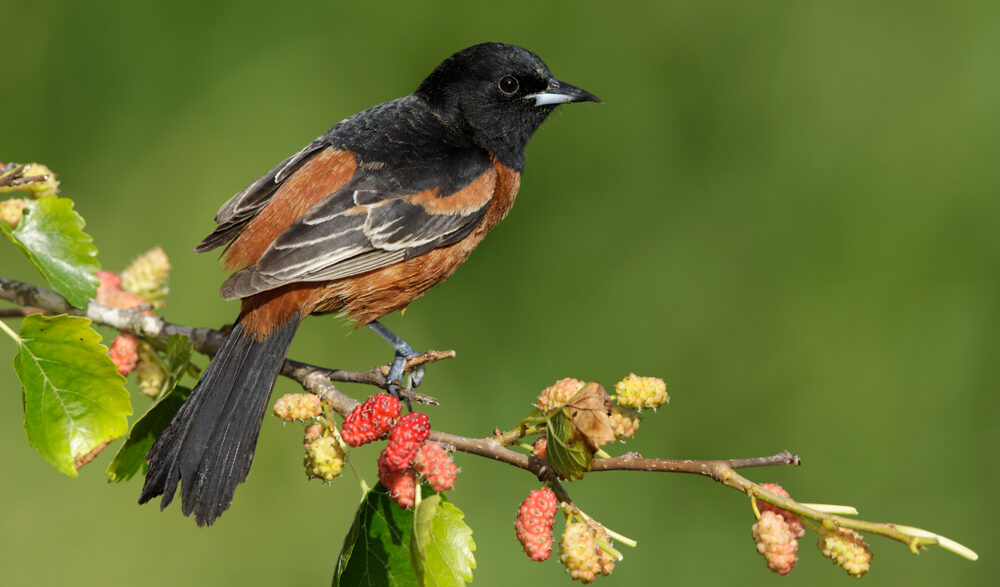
(408, 455)
(624, 422)
(400, 483)
(124, 352)
(848, 549)
(11, 211)
(794, 524)
(576, 551)
(298, 406)
(538, 449)
(405, 439)
(110, 293)
(605, 562)
(146, 276)
(434, 465)
(140, 283)
(776, 542)
(641, 392)
(558, 394)
(778, 530)
(534, 523)
(371, 420)
(581, 553)
(324, 458)
(150, 373)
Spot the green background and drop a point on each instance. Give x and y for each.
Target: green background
(789, 211)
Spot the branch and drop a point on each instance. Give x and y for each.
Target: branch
(317, 380)
(204, 340)
(713, 469)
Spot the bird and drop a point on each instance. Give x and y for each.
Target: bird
(362, 221)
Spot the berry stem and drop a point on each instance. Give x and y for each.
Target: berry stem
(571, 510)
(608, 548)
(913, 538)
(11, 333)
(753, 504)
(347, 457)
(525, 428)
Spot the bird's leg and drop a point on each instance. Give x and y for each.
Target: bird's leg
(404, 352)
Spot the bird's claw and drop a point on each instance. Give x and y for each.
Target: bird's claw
(397, 370)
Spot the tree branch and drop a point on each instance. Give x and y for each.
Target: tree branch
(317, 380)
(204, 340)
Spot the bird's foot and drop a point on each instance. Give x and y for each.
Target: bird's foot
(396, 371)
(404, 352)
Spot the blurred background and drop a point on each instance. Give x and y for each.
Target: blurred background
(788, 211)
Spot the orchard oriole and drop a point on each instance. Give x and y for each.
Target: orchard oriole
(362, 221)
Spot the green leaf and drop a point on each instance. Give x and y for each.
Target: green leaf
(131, 457)
(74, 398)
(566, 453)
(50, 234)
(441, 545)
(376, 550)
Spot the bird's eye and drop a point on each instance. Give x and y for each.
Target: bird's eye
(508, 85)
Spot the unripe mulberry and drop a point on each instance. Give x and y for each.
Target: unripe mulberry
(12, 210)
(534, 523)
(298, 406)
(370, 421)
(146, 276)
(576, 551)
(605, 562)
(641, 392)
(434, 464)
(110, 293)
(624, 422)
(401, 484)
(405, 440)
(124, 352)
(312, 432)
(558, 394)
(149, 372)
(324, 458)
(795, 524)
(538, 449)
(848, 549)
(775, 541)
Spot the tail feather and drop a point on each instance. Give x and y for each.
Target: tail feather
(209, 445)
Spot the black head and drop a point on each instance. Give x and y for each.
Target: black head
(497, 94)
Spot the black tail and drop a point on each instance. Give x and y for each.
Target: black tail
(211, 441)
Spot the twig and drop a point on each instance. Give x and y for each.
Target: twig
(635, 462)
(20, 312)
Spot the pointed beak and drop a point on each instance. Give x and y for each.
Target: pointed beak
(562, 93)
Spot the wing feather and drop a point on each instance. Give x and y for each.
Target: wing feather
(240, 209)
(366, 225)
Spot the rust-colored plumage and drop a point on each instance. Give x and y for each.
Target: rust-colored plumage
(324, 174)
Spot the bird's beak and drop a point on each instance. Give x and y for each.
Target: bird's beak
(562, 93)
